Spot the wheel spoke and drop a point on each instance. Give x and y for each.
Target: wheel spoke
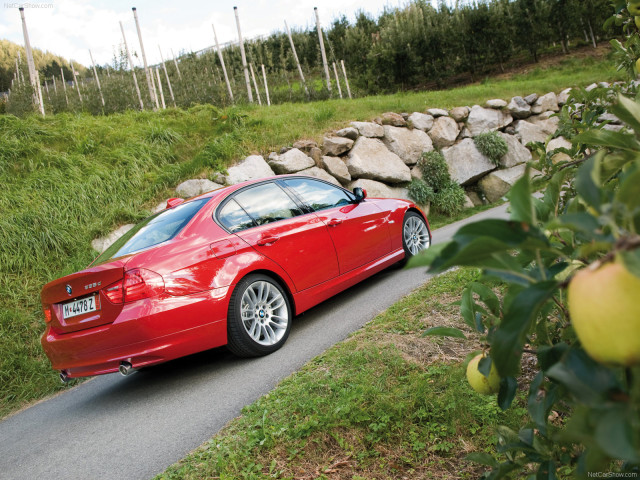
(264, 313)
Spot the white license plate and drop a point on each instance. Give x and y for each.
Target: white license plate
(80, 307)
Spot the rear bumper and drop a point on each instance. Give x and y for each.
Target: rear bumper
(146, 332)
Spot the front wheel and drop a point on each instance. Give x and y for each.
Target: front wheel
(259, 318)
(415, 235)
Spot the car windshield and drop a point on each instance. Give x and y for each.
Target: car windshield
(153, 230)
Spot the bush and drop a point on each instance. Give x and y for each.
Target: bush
(449, 200)
(420, 192)
(435, 172)
(492, 146)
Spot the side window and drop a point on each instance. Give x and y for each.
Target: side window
(319, 195)
(267, 203)
(234, 218)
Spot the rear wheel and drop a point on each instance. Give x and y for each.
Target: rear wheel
(415, 235)
(259, 318)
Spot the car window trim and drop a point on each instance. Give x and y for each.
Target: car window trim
(306, 205)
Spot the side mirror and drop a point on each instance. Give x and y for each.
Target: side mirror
(360, 194)
(172, 202)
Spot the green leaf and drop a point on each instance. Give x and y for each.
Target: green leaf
(484, 366)
(444, 332)
(615, 436)
(628, 111)
(508, 390)
(487, 296)
(585, 184)
(581, 221)
(631, 260)
(629, 191)
(426, 257)
(546, 471)
(607, 138)
(467, 307)
(482, 458)
(521, 200)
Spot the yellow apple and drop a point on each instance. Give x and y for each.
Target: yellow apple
(478, 381)
(604, 305)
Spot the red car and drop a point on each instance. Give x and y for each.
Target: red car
(230, 267)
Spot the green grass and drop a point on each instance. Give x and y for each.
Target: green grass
(69, 178)
(380, 405)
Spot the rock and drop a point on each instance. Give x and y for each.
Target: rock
(563, 96)
(519, 108)
(466, 163)
(379, 190)
(545, 103)
(291, 162)
(516, 154)
(369, 129)
(529, 132)
(416, 172)
(464, 133)
(459, 114)
(336, 145)
(609, 117)
(305, 145)
(612, 128)
(474, 197)
(496, 103)
(393, 119)
(510, 129)
(437, 112)
(284, 150)
(591, 87)
(405, 115)
(530, 99)
(349, 132)
(468, 203)
(250, 168)
(444, 132)
(369, 158)
(559, 142)
(102, 243)
(195, 187)
(495, 185)
(219, 177)
(336, 167)
(319, 173)
(159, 207)
(409, 145)
(548, 124)
(316, 154)
(421, 121)
(486, 119)
(604, 84)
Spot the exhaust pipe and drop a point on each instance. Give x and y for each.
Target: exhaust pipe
(64, 376)
(126, 368)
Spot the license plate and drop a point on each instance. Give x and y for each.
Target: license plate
(80, 307)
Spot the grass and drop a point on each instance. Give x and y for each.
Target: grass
(386, 403)
(69, 178)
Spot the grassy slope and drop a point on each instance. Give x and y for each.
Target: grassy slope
(68, 178)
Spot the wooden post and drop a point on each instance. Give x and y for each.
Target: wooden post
(243, 56)
(175, 62)
(155, 91)
(164, 67)
(55, 87)
(324, 55)
(75, 81)
(148, 74)
(255, 84)
(335, 72)
(95, 74)
(295, 56)
(164, 106)
(221, 58)
(17, 71)
(266, 87)
(46, 86)
(64, 86)
(133, 69)
(33, 77)
(346, 80)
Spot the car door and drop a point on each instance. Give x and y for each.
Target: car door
(268, 218)
(359, 230)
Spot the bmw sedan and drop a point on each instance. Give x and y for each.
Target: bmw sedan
(230, 267)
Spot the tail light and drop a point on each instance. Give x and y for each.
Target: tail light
(47, 313)
(137, 284)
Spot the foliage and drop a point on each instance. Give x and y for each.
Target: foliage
(420, 192)
(492, 146)
(449, 200)
(447, 196)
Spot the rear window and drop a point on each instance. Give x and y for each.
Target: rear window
(153, 230)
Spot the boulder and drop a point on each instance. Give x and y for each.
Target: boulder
(409, 145)
(369, 158)
(319, 173)
(393, 119)
(486, 119)
(305, 145)
(612, 128)
(444, 132)
(474, 197)
(547, 123)
(563, 96)
(421, 121)
(437, 112)
(559, 142)
(195, 187)
(349, 132)
(519, 108)
(591, 87)
(159, 207)
(459, 114)
(336, 145)
(468, 203)
(250, 168)
(316, 154)
(495, 103)
(516, 154)
(416, 172)
(379, 190)
(219, 177)
(466, 163)
(529, 132)
(609, 117)
(530, 99)
(369, 129)
(545, 103)
(102, 243)
(337, 168)
(495, 185)
(290, 162)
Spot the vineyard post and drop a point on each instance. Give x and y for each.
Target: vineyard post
(33, 78)
(266, 87)
(64, 86)
(17, 71)
(175, 62)
(166, 74)
(243, 56)
(346, 80)
(133, 69)
(255, 84)
(144, 60)
(221, 58)
(55, 87)
(75, 81)
(164, 106)
(335, 72)
(46, 87)
(155, 91)
(324, 55)
(295, 56)
(95, 74)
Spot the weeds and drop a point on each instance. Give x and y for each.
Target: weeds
(492, 146)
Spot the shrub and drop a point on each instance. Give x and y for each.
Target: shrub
(435, 172)
(449, 200)
(420, 192)
(492, 146)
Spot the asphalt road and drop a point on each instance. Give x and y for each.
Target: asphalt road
(135, 427)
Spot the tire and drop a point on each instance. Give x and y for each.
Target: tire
(259, 317)
(415, 236)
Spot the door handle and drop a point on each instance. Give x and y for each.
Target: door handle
(266, 241)
(334, 221)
